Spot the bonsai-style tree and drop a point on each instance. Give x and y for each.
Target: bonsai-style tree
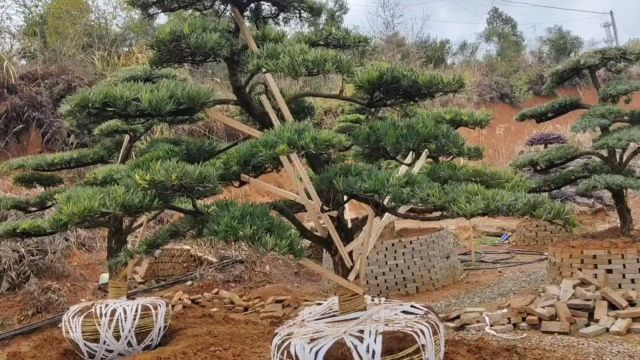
(120, 193)
(545, 139)
(607, 164)
(357, 160)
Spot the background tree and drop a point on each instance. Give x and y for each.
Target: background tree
(433, 52)
(466, 52)
(503, 34)
(607, 165)
(82, 32)
(560, 44)
(356, 161)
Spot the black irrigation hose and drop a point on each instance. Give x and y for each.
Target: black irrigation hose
(501, 262)
(56, 318)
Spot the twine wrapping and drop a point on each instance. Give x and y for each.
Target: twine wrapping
(316, 329)
(112, 329)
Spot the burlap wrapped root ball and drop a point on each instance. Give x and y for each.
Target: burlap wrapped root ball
(115, 328)
(386, 330)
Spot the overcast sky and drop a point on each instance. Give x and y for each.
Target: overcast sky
(464, 19)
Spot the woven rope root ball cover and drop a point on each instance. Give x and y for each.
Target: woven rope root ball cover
(115, 328)
(319, 329)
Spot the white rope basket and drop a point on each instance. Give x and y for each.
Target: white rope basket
(317, 328)
(111, 329)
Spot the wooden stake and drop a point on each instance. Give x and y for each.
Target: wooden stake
(309, 264)
(270, 188)
(295, 160)
(362, 241)
(243, 128)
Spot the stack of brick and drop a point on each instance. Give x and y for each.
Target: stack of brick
(274, 307)
(582, 306)
(411, 265)
(533, 232)
(170, 262)
(616, 262)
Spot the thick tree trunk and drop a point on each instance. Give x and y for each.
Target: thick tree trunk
(339, 266)
(624, 212)
(247, 104)
(116, 243)
(594, 79)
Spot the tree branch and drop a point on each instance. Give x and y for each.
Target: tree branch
(137, 226)
(217, 102)
(630, 158)
(183, 210)
(600, 156)
(327, 96)
(323, 242)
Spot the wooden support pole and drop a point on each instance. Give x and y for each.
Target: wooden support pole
(298, 169)
(270, 188)
(309, 264)
(232, 123)
(362, 242)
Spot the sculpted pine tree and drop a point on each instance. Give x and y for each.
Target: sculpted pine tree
(607, 165)
(357, 160)
(119, 192)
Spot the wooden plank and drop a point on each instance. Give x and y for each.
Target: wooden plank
(377, 231)
(306, 181)
(271, 82)
(275, 91)
(232, 123)
(308, 186)
(362, 243)
(361, 263)
(244, 30)
(297, 164)
(420, 163)
(336, 240)
(269, 109)
(123, 150)
(354, 244)
(270, 188)
(293, 173)
(309, 264)
(404, 168)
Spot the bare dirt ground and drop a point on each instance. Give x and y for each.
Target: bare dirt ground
(197, 334)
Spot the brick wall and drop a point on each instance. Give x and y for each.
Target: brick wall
(619, 261)
(171, 261)
(531, 232)
(411, 265)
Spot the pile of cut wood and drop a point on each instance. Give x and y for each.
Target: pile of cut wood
(580, 306)
(274, 307)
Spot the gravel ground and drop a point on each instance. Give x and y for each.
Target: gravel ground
(516, 280)
(552, 347)
(535, 345)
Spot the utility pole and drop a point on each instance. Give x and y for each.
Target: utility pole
(615, 28)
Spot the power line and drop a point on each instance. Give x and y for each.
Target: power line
(467, 10)
(560, 21)
(554, 7)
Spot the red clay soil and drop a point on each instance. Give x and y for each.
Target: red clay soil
(79, 284)
(504, 138)
(195, 334)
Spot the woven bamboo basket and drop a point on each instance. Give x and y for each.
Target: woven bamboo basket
(116, 327)
(385, 330)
